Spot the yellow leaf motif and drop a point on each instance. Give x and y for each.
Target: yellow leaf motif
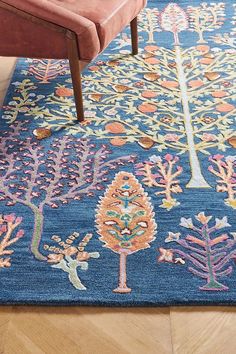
(125, 220)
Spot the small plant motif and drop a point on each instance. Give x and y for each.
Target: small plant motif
(209, 252)
(36, 177)
(125, 221)
(25, 99)
(224, 169)
(69, 257)
(162, 172)
(46, 70)
(8, 224)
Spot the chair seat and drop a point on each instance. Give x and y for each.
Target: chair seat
(96, 23)
(109, 16)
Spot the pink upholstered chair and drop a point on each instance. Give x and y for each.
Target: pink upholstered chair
(57, 29)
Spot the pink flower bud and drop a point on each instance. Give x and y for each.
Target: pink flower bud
(20, 233)
(9, 218)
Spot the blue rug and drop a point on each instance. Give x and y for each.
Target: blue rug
(136, 206)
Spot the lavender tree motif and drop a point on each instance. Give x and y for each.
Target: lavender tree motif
(209, 253)
(36, 177)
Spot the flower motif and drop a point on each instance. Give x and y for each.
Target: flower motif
(172, 137)
(220, 223)
(71, 251)
(169, 204)
(230, 158)
(155, 159)
(208, 137)
(203, 218)
(54, 258)
(172, 236)
(188, 223)
(166, 255)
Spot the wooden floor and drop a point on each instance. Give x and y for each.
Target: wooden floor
(77, 330)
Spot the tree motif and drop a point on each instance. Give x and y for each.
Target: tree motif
(46, 70)
(228, 39)
(174, 19)
(125, 221)
(209, 253)
(8, 225)
(224, 169)
(180, 100)
(148, 20)
(206, 17)
(69, 257)
(162, 173)
(36, 178)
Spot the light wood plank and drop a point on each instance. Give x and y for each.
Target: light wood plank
(203, 330)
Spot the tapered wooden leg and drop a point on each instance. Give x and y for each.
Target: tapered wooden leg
(73, 55)
(134, 35)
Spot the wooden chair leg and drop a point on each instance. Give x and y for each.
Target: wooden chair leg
(134, 35)
(73, 55)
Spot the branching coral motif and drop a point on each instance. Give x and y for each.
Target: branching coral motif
(46, 70)
(68, 256)
(8, 224)
(125, 221)
(36, 177)
(162, 173)
(209, 252)
(224, 169)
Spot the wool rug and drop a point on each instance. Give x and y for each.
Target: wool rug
(136, 206)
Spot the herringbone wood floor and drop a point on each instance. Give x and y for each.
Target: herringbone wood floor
(78, 330)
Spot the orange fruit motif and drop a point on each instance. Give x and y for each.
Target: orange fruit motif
(211, 76)
(42, 133)
(115, 128)
(147, 108)
(64, 92)
(196, 83)
(94, 68)
(225, 107)
(151, 48)
(118, 141)
(232, 141)
(169, 84)
(219, 94)
(151, 76)
(206, 61)
(146, 143)
(121, 88)
(203, 48)
(149, 94)
(152, 61)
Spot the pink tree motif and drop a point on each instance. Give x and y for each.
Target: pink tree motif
(36, 178)
(174, 19)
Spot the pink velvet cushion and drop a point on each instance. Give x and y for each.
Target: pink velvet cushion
(109, 16)
(88, 41)
(96, 22)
